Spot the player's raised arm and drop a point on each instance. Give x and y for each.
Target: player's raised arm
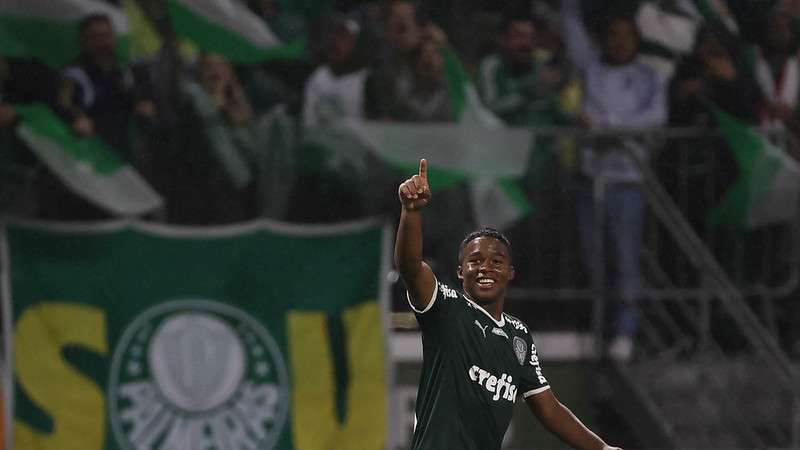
(415, 194)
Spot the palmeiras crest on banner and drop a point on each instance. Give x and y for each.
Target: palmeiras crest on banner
(190, 374)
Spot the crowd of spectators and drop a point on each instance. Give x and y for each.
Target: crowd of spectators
(202, 131)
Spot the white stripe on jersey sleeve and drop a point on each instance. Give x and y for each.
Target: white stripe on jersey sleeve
(430, 303)
(536, 391)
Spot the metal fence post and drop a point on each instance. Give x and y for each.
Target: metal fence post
(598, 266)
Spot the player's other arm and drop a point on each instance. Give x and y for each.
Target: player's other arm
(417, 275)
(560, 421)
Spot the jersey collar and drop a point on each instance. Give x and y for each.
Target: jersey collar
(500, 323)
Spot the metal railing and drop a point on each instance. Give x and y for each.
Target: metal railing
(712, 369)
(762, 262)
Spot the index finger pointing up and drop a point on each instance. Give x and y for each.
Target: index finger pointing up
(423, 169)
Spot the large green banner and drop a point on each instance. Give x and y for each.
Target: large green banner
(147, 337)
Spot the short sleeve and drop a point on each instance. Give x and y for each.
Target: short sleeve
(437, 308)
(430, 303)
(531, 378)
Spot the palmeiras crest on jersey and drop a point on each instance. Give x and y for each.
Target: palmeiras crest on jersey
(192, 374)
(520, 349)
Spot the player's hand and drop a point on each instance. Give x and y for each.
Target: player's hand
(414, 192)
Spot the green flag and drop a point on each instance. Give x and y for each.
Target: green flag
(229, 28)
(768, 188)
(140, 336)
(477, 148)
(47, 30)
(669, 29)
(86, 166)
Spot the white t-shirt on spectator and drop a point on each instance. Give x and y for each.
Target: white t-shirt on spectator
(329, 97)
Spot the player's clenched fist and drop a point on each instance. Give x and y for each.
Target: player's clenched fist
(415, 192)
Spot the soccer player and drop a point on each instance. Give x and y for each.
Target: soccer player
(476, 359)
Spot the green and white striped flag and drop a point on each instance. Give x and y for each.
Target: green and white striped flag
(229, 28)
(768, 188)
(669, 28)
(86, 166)
(478, 149)
(499, 198)
(47, 30)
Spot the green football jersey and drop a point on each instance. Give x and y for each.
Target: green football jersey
(474, 368)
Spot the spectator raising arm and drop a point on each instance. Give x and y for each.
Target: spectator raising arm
(580, 48)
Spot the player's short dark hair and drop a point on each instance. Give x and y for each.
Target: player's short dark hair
(485, 232)
(92, 19)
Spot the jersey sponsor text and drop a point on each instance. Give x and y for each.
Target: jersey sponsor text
(500, 387)
(535, 363)
(448, 292)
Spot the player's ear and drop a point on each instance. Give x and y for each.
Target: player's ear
(511, 273)
(460, 273)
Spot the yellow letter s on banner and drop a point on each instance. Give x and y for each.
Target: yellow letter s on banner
(74, 402)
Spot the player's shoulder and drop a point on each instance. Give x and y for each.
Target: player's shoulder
(517, 324)
(451, 298)
(447, 292)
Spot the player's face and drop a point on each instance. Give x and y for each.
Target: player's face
(485, 269)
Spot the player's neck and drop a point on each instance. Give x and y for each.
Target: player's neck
(495, 309)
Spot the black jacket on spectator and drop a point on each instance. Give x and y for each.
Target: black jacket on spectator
(28, 81)
(107, 97)
(739, 97)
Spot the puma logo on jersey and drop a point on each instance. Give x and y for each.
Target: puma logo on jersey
(500, 387)
(482, 328)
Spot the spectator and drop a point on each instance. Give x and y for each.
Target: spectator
(403, 35)
(527, 83)
(21, 81)
(98, 95)
(403, 30)
(220, 83)
(280, 80)
(43, 195)
(212, 174)
(336, 89)
(421, 94)
(777, 69)
(516, 85)
(620, 92)
(712, 75)
(698, 169)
